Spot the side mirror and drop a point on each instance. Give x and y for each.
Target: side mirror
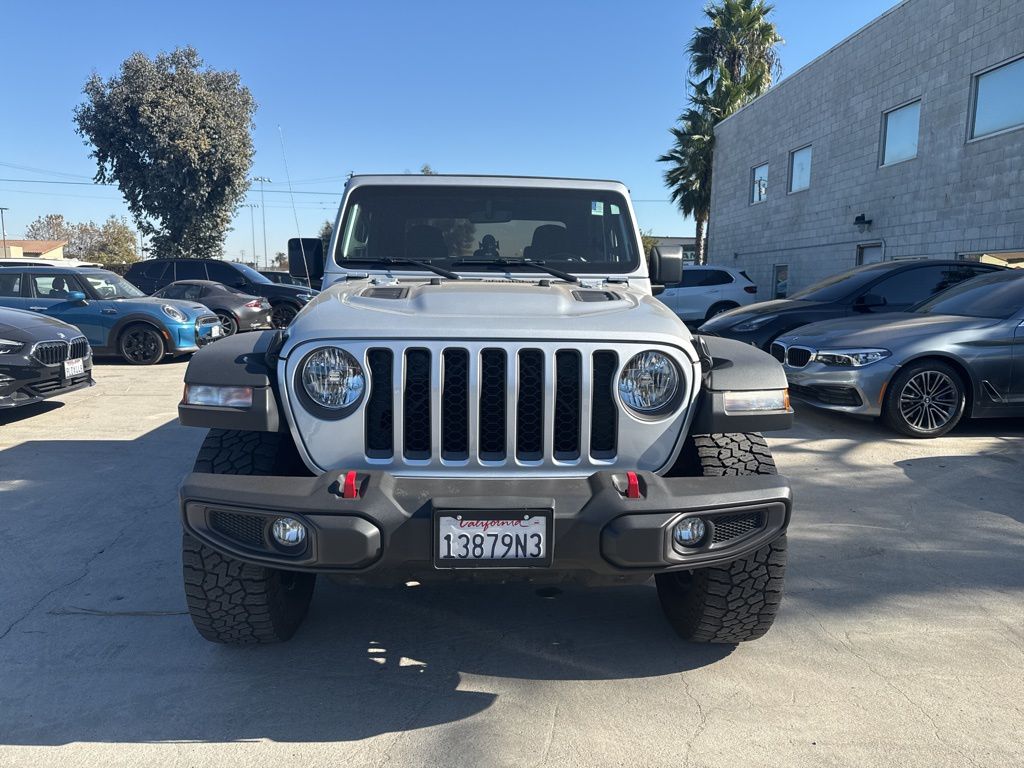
(666, 264)
(76, 297)
(870, 301)
(306, 258)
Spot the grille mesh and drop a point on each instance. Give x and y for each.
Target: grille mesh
(417, 404)
(798, 357)
(79, 347)
(604, 415)
(51, 352)
(530, 408)
(567, 405)
(492, 404)
(455, 405)
(379, 409)
(729, 527)
(245, 529)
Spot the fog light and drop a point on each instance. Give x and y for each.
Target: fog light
(289, 532)
(690, 532)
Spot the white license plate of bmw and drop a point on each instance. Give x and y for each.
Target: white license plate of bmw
(217, 331)
(492, 539)
(74, 367)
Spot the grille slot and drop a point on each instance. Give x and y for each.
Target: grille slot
(49, 386)
(530, 407)
(567, 405)
(798, 357)
(729, 527)
(778, 352)
(79, 347)
(244, 529)
(604, 416)
(455, 405)
(380, 414)
(416, 405)
(492, 404)
(51, 352)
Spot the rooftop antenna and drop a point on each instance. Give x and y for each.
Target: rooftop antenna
(291, 196)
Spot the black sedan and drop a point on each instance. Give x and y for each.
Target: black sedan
(237, 311)
(891, 286)
(40, 358)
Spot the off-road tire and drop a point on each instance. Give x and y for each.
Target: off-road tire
(737, 601)
(947, 414)
(231, 601)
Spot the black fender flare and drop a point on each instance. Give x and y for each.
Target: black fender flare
(732, 366)
(241, 360)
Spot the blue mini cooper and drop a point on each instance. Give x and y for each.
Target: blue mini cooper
(116, 317)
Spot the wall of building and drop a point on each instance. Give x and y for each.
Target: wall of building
(957, 195)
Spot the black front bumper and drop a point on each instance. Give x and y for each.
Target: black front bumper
(387, 533)
(27, 384)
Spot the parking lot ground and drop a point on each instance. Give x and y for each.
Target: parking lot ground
(900, 641)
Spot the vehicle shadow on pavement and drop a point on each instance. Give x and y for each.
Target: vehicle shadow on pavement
(95, 644)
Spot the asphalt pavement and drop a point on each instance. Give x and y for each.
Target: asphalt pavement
(900, 640)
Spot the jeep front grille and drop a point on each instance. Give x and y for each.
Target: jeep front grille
(478, 419)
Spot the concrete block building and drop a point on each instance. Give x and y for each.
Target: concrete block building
(906, 140)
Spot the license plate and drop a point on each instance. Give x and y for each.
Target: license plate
(477, 539)
(74, 367)
(217, 331)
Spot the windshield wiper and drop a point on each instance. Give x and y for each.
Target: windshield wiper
(540, 265)
(393, 262)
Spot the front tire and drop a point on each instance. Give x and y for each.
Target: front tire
(282, 314)
(738, 601)
(231, 601)
(227, 322)
(925, 399)
(717, 309)
(141, 344)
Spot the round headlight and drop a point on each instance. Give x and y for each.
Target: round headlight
(174, 313)
(333, 379)
(649, 383)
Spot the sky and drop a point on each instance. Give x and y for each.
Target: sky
(583, 88)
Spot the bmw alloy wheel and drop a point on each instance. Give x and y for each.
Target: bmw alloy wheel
(929, 400)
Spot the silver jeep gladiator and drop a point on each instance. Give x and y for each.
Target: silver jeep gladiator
(487, 389)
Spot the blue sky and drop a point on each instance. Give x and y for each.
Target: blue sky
(568, 88)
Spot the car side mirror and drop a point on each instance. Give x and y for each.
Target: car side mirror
(76, 297)
(306, 258)
(870, 301)
(666, 264)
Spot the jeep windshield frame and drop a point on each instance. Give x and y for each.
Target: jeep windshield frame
(492, 227)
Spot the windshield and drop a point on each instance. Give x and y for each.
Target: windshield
(576, 231)
(999, 295)
(842, 285)
(107, 285)
(250, 274)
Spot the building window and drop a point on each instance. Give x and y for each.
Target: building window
(869, 253)
(899, 137)
(780, 281)
(800, 169)
(997, 99)
(759, 184)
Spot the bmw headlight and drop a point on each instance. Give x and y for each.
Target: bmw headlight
(174, 313)
(850, 358)
(649, 384)
(8, 347)
(333, 379)
(752, 325)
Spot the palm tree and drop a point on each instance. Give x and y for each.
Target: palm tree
(739, 43)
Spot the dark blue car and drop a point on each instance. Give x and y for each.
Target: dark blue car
(116, 317)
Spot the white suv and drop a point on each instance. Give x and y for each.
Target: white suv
(707, 291)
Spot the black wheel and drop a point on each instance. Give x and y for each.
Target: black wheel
(717, 309)
(141, 345)
(231, 601)
(282, 315)
(228, 322)
(925, 399)
(737, 601)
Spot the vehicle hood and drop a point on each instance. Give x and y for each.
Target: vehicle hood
(762, 308)
(470, 308)
(884, 331)
(19, 325)
(192, 309)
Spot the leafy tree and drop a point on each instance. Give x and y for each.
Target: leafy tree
(326, 230)
(281, 260)
(426, 170)
(175, 137)
(116, 243)
(648, 241)
(52, 226)
(112, 243)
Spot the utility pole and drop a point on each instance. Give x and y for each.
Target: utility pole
(263, 205)
(3, 230)
(252, 225)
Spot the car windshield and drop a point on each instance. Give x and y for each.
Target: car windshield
(107, 285)
(842, 285)
(251, 274)
(998, 295)
(468, 228)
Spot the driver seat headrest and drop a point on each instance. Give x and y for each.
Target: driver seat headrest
(547, 239)
(424, 241)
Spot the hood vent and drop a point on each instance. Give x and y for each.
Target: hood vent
(591, 296)
(386, 292)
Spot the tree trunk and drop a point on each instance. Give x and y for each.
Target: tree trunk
(701, 256)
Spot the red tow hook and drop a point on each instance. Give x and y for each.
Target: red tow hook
(632, 485)
(350, 487)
